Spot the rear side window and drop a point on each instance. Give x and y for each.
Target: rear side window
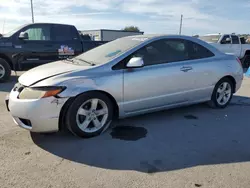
(242, 40)
(62, 33)
(196, 51)
(235, 39)
(74, 33)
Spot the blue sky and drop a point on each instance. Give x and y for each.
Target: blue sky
(151, 16)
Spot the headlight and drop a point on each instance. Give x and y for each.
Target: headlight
(40, 92)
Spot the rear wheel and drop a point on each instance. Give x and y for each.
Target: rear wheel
(5, 70)
(222, 94)
(89, 114)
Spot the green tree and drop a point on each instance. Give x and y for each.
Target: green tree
(131, 28)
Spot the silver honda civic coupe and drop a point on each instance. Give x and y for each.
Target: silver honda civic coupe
(125, 77)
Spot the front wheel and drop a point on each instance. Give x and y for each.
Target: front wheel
(5, 70)
(89, 114)
(222, 94)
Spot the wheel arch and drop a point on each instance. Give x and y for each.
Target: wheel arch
(66, 106)
(6, 58)
(232, 79)
(245, 60)
(247, 52)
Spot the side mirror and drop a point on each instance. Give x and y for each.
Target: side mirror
(135, 62)
(228, 40)
(23, 36)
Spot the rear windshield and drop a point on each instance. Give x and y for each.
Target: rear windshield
(210, 38)
(109, 51)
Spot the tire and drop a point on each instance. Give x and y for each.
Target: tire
(5, 70)
(83, 103)
(215, 96)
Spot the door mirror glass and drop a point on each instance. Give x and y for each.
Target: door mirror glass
(135, 62)
(23, 36)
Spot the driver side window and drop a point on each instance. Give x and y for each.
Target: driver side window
(38, 33)
(224, 40)
(163, 51)
(152, 53)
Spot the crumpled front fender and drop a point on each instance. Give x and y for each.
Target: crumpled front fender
(78, 86)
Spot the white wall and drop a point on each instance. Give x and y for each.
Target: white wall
(112, 35)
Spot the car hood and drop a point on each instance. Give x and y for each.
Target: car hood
(5, 42)
(47, 71)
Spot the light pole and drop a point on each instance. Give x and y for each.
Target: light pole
(32, 12)
(180, 25)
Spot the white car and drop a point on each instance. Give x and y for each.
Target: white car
(230, 44)
(122, 78)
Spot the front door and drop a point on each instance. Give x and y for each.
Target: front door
(166, 78)
(37, 48)
(226, 46)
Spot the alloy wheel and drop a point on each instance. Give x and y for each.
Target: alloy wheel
(92, 115)
(2, 71)
(223, 93)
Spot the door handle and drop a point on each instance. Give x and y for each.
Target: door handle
(186, 69)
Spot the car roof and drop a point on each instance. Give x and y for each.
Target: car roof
(212, 34)
(149, 36)
(218, 34)
(152, 37)
(158, 36)
(38, 23)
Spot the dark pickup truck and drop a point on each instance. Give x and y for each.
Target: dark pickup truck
(35, 44)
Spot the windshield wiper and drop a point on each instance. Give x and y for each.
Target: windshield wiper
(92, 64)
(70, 60)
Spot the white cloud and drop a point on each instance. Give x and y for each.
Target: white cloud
(161, 16)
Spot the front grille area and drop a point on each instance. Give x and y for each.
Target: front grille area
(18, 87)
(26, 122)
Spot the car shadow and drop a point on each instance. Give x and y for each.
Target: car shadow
(8, 85)
(174, 139)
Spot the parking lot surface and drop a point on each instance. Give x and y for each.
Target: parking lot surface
(187, 147)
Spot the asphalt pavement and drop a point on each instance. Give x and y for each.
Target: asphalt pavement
(182, 148)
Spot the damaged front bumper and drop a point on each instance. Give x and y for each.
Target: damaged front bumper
(35, 115)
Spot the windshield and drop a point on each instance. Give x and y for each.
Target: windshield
(107, 52)
(210, 38)
(10, 33)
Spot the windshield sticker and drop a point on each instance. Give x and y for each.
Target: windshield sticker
(65, 50)
(113, 53)
(140, 39)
